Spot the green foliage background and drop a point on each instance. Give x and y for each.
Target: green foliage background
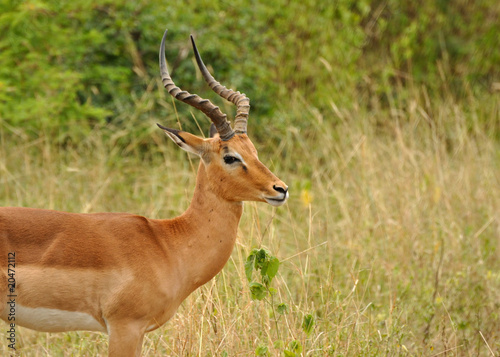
(67, 66)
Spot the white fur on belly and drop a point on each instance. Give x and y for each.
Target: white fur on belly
(53, 320)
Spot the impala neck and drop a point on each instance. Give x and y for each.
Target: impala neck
(212, 224)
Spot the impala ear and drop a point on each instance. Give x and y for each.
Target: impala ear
(213, 130)
(186, 141)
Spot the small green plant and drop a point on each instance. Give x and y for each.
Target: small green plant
(263, 262)
(308, 324)
(294, 349)
(262, 351)
(268, 265)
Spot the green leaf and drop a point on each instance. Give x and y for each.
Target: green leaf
(258, 291)
(261, 258)
(263, 269)
(295, 346)
(278, 344)
(289, 353)
(265, 280)
(272, 267)
(249, 266)
(282, 308)
(308, 323)
(262, 351)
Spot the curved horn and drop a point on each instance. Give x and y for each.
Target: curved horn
(209, 109)
(239, 99)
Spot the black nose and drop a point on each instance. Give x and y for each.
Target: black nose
(280, 189)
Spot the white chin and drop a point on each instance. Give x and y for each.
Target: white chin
(275, 203)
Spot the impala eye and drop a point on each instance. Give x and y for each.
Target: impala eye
(228, 159)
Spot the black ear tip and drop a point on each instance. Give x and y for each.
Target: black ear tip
(161, 126)
(175, 132)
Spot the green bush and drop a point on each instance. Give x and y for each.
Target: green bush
(67, 66)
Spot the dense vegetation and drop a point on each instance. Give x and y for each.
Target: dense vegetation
(76, 64)
(382, 116)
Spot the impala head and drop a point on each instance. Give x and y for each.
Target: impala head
(230, 159)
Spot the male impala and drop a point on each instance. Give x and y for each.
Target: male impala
(125, 274)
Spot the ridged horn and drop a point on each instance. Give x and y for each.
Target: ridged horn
(210, 110)
(241, 101)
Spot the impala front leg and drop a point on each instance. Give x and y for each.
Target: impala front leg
(125, 338)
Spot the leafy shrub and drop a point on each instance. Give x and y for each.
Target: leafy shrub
(69, 66)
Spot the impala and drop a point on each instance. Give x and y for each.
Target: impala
(124, 274)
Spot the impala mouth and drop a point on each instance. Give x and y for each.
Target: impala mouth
(277, 201)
